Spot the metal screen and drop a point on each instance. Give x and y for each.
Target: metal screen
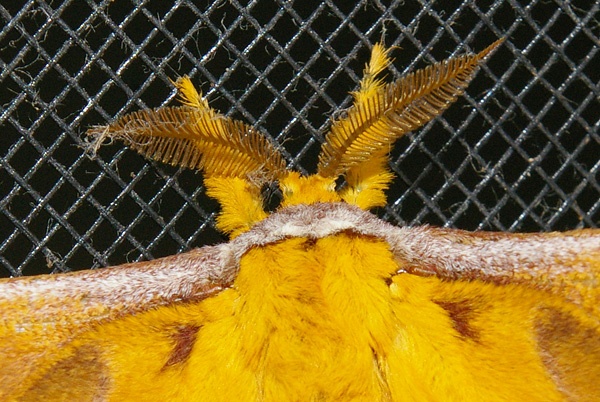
(519, 152)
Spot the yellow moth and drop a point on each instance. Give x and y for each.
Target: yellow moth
(319, 300)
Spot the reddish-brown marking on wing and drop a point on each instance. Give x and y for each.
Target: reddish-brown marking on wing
(185, 338)
(460, 313)
(570, 351)
(81, 376)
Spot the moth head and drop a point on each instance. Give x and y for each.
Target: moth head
(238, 160)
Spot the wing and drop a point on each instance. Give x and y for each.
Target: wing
(41, 315)
(566, 264)
(546, 283)
(327, 293)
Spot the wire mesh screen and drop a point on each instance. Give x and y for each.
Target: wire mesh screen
(519, 152)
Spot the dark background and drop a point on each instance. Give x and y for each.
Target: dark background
(519, 152)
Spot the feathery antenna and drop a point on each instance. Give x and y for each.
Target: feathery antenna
(196, 136)
(382, 113)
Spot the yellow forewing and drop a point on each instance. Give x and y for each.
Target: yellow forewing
(339, 313)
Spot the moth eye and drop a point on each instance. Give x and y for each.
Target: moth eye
(271, 196)
(340, 183)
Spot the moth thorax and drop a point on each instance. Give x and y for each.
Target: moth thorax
(299, 189)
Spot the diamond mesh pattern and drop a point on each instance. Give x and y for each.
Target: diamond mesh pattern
(519, 152)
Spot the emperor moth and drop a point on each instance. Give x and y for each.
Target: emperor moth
(319, 300)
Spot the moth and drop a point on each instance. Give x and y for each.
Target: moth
(320, 299)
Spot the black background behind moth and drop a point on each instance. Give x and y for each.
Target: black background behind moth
(519, 152)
